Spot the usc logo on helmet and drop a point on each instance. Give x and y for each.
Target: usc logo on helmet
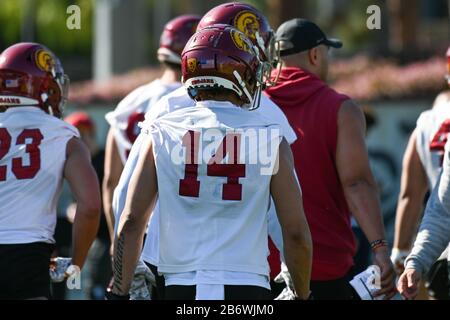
(248, 23)
(44, 60)
(240, 41)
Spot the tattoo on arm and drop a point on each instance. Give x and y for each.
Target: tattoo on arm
(118, 263)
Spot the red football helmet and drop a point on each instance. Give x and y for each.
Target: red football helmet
(174, 37)
(221, 56)
(31, 75)
(252, 23)
(81, 120)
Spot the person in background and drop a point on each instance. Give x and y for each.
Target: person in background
(422, 165)
(331, 161)
(131, 110)
(124, 130)
(432, 239)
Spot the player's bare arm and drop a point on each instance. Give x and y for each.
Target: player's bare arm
(413, 188)
(352, 162)
(113, 169)
(84, 184)
(133, 221)
(297, 240)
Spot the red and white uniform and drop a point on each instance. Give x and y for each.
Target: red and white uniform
(32, 157)
(433, 127)
(217, 212)
(131, 110)
(179, 99)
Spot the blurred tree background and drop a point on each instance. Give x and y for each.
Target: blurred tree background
(411, 29)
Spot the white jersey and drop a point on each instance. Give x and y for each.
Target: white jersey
(32, 157)
(432, 129)
(131, 110)
(214, 202)
(175, 100)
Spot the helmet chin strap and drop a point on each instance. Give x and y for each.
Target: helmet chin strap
(243, 86)
(44, 98)
(256, 99)
(253, 101)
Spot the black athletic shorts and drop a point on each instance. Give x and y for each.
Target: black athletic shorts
(232, 292)
(158, 291)
(24, 270)
(438, 280)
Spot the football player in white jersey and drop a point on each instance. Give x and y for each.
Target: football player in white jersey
(131, 110)
(249, 20)
(213, 199)
(38, 150)
(433, 237)
(422, 164)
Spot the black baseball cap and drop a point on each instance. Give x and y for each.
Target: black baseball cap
(299, 35)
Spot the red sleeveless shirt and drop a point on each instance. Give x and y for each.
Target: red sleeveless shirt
(312, 110)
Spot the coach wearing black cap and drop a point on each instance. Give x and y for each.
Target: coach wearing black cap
(331, 162)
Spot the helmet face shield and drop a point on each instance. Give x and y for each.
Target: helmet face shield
(64, 83)
(447, 76)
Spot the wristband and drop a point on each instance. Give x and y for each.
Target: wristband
(378, 244)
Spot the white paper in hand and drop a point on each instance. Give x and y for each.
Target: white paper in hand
(367, 283)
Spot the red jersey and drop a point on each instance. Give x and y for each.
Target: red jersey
(312, 110)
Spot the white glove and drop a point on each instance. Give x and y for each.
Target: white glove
(143, 280)
(286, 294)
(58, 267)
(285, 276)
(398, 258)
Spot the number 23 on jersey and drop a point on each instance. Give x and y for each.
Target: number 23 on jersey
(31, 139)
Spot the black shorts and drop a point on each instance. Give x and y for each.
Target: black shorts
(232, 292)
(24, 270)
(159, 290)
(438, 280)
(338, 289)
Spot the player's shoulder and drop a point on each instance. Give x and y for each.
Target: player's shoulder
(442, 100)
(60, 125)
(139, 95)
(267, 106)
(176, 99)
(428, 117)
(36, 117)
